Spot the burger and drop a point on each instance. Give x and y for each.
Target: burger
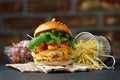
(52, 44)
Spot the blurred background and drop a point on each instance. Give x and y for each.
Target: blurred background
(21, 17)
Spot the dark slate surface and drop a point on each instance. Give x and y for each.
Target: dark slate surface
(7, 73)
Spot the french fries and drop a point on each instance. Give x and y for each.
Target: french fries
(85, 54)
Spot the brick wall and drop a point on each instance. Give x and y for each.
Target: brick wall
(21, 17)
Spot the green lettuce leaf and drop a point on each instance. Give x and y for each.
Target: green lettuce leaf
(51, 37)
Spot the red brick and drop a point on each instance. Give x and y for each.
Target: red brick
(87, 5)
(7, 39)
(117, 36)
(109, 35)
(112, 20)
(111, 5)
(22, 23)
(113, 36)
(116, 52)
(11, 7)
(79, 21)
(49, 6)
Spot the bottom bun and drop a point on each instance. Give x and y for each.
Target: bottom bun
(52, 63)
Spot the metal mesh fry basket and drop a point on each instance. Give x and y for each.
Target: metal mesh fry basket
(103, 51)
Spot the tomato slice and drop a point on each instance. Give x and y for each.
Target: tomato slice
(65, 43)
(52, 46)
(42, 47)
(36, 52)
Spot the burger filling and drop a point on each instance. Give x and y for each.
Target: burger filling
(62, 53)
(52, 46)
